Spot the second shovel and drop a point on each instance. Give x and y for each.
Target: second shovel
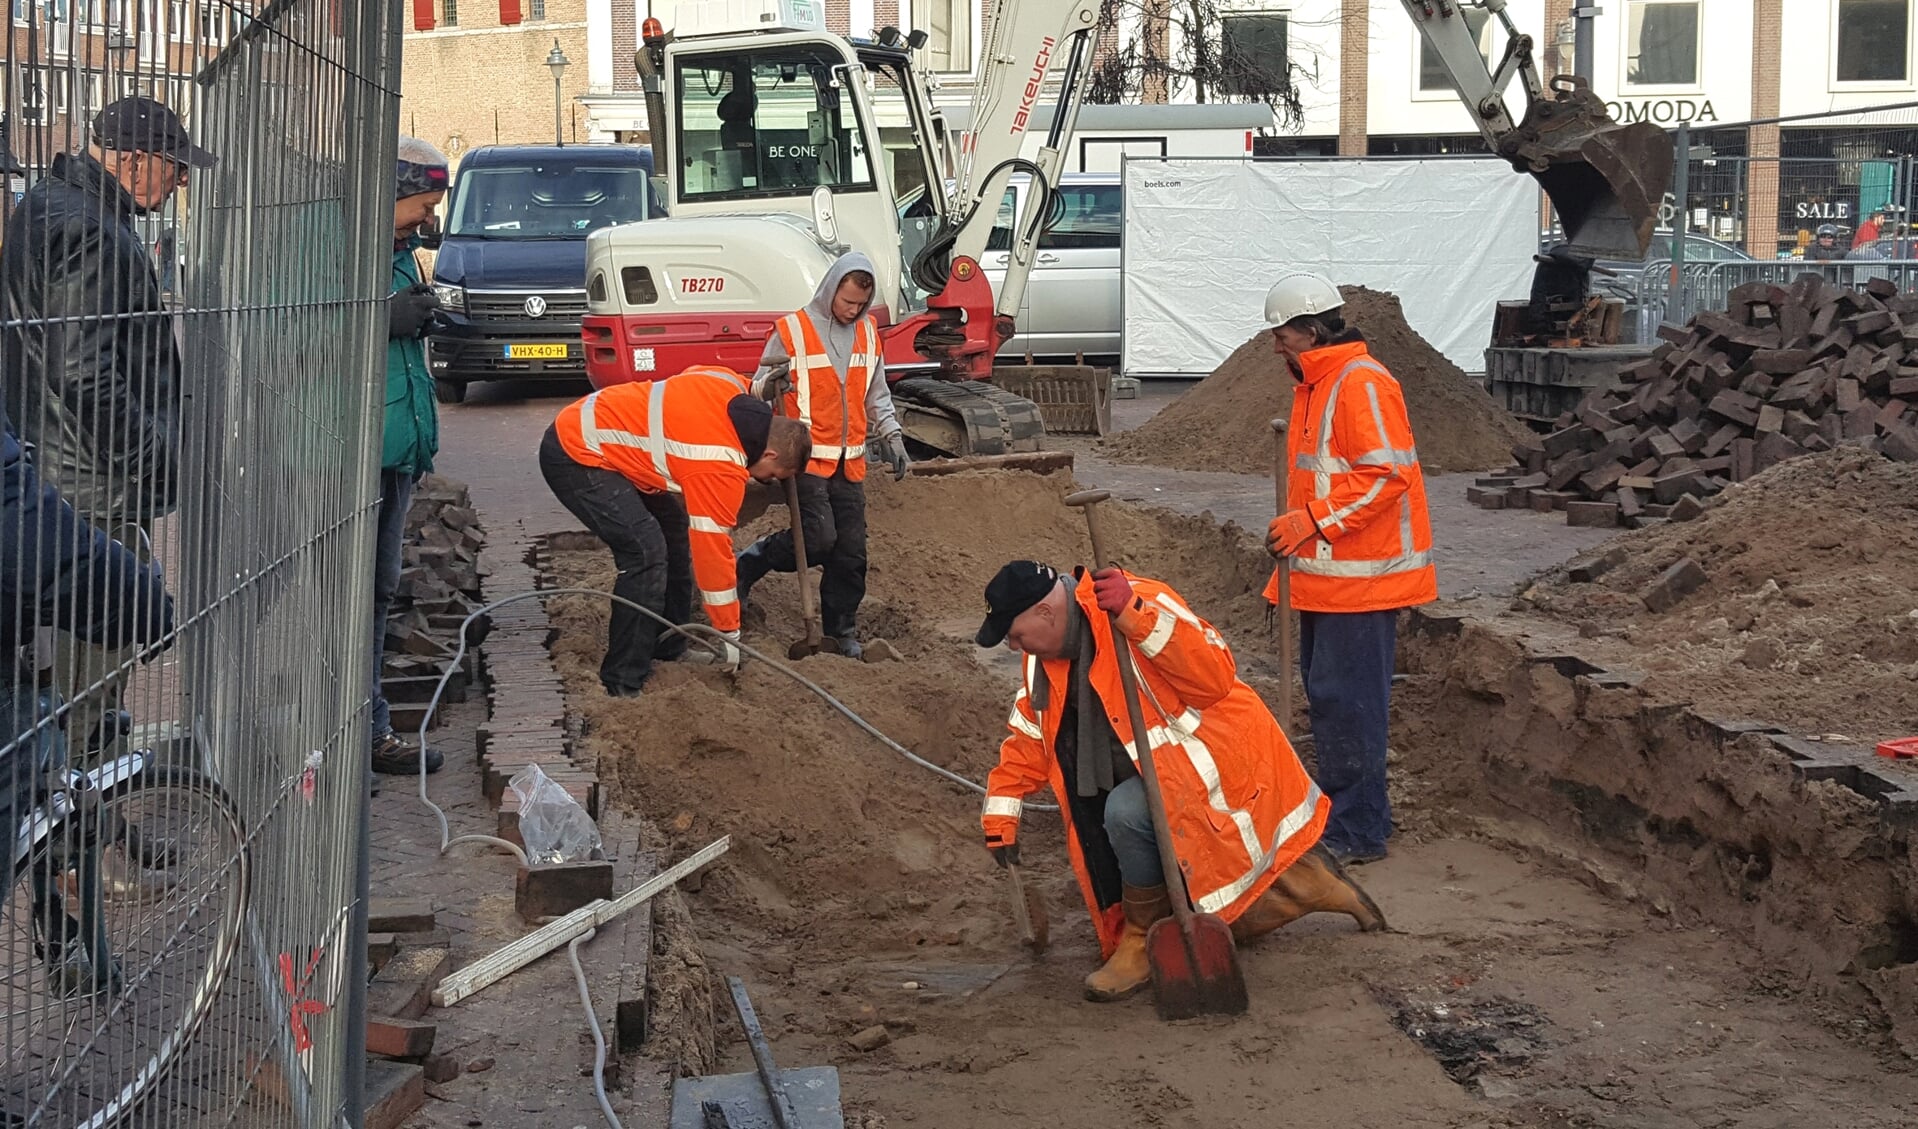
(1029, 911)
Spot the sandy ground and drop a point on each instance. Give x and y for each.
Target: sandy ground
(1514, 990)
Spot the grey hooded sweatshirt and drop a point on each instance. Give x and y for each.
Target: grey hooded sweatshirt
(838, 339)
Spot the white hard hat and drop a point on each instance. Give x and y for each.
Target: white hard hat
(1300, 292)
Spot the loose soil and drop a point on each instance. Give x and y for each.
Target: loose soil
(1808, 616)
(1224, 422)
(1523, 985)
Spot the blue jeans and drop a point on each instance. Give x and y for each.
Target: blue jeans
(1346, 660)
(396, 497)
(1129, 830)
(25, 756)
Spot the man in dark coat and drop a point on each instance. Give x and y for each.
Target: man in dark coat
(90, 360)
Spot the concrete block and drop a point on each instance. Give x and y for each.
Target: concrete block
(1674, 584)
(1595, 515)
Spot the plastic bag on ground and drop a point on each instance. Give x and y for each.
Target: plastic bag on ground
(552, 824)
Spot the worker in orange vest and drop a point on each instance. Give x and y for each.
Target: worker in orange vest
(658, 471)
(1360, 544)
(1244, 816)
(823, 366)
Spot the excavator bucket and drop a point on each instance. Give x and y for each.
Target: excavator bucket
(1606, 181)
(1072, 399)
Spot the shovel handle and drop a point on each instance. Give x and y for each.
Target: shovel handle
(814, 632)
(1141, 736)
(1281, 482)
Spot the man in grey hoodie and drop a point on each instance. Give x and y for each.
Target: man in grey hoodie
(823, 366)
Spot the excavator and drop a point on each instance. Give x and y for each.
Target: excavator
(781, 146)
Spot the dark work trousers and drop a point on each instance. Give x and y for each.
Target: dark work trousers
(1346, 660)
(832, 512)
(648, 536)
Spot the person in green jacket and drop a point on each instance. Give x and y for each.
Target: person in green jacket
(412, 435)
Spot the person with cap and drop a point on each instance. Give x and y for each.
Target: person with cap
(823, 365)
(658, 471)
(411, 435)
(1245, 817)
(92, 364)
(1824, 244)
(1359, 541)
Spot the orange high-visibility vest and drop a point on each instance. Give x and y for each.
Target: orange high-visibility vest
(673, 436)
(1355, 469)
(833, 408)
(1240, 806)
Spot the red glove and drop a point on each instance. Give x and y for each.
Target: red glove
(1112, 590)
(1289, 532)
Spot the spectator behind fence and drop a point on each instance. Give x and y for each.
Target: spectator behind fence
(91, 363)
(412, 420)
(55, 572)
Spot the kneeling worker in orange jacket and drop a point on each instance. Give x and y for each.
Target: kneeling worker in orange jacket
(1244, 815)
(1356, 532)
(658, 471)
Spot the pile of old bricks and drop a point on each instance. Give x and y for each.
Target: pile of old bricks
(439, 587)
(1783, 372)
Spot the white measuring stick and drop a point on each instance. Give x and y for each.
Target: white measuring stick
(508, 959)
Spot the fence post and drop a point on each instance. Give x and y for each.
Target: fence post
(1681, 217)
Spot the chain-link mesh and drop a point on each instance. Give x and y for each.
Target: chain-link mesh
(193, 334)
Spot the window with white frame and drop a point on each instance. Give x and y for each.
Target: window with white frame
(35, 107)
(1433, 77)
(450, 13)
(948, 26)
(536, 9)
(1661, 43)
(1874, 41)
(177, 27)
(1253, 53)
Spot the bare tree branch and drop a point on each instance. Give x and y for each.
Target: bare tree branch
(1160, 49)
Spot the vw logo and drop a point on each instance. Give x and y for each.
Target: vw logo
(536, 307)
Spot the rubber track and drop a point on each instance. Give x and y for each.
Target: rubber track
(996, 421)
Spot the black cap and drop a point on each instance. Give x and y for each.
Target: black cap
(141, 125)
(752, 421)
(1018, 586)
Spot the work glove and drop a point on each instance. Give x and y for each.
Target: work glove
(410, 311)
(729, 652)
(773, 385)
(892, 449)
(1007, 855)
(1112, 590)
(1289, 532)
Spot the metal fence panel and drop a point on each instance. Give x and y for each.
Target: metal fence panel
(196, 359)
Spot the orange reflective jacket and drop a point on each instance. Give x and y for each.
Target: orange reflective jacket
(1355, 469)
(673, 436)
(1240, 805)
(834, 408)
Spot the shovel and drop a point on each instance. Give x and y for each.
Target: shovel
(1195, 966)
(1029, 912)
(1288, 661)
(815, 640)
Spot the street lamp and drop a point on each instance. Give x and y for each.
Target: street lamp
(557, 62)
(121, 45)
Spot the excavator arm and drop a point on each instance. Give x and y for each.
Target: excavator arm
(1606, 181)
(1024, 40)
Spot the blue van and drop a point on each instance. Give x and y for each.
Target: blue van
(511, 266)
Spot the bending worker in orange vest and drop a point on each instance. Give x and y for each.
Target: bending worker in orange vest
(823, 365)
(1356, 532)
(658, 470)
(1245, 818)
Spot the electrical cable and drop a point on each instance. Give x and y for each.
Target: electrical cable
(592, 1020)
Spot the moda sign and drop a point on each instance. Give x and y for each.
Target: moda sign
(1663, 111)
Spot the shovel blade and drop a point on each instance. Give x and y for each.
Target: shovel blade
(1195, 970)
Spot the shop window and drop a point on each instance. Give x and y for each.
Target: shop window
(1873, 40)
(1433, 77)
(1662, 43)
(1253, 53)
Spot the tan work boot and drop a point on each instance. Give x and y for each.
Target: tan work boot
(1128, 970)
(1314, 884)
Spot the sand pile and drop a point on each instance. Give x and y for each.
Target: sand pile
(1808, 612)
(1224, 422)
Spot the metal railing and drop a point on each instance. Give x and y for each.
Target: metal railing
(191, 318)
(1708, 286)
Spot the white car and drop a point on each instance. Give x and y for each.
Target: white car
(1071, 305)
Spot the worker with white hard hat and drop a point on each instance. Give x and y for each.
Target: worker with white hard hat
(1356, 534)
